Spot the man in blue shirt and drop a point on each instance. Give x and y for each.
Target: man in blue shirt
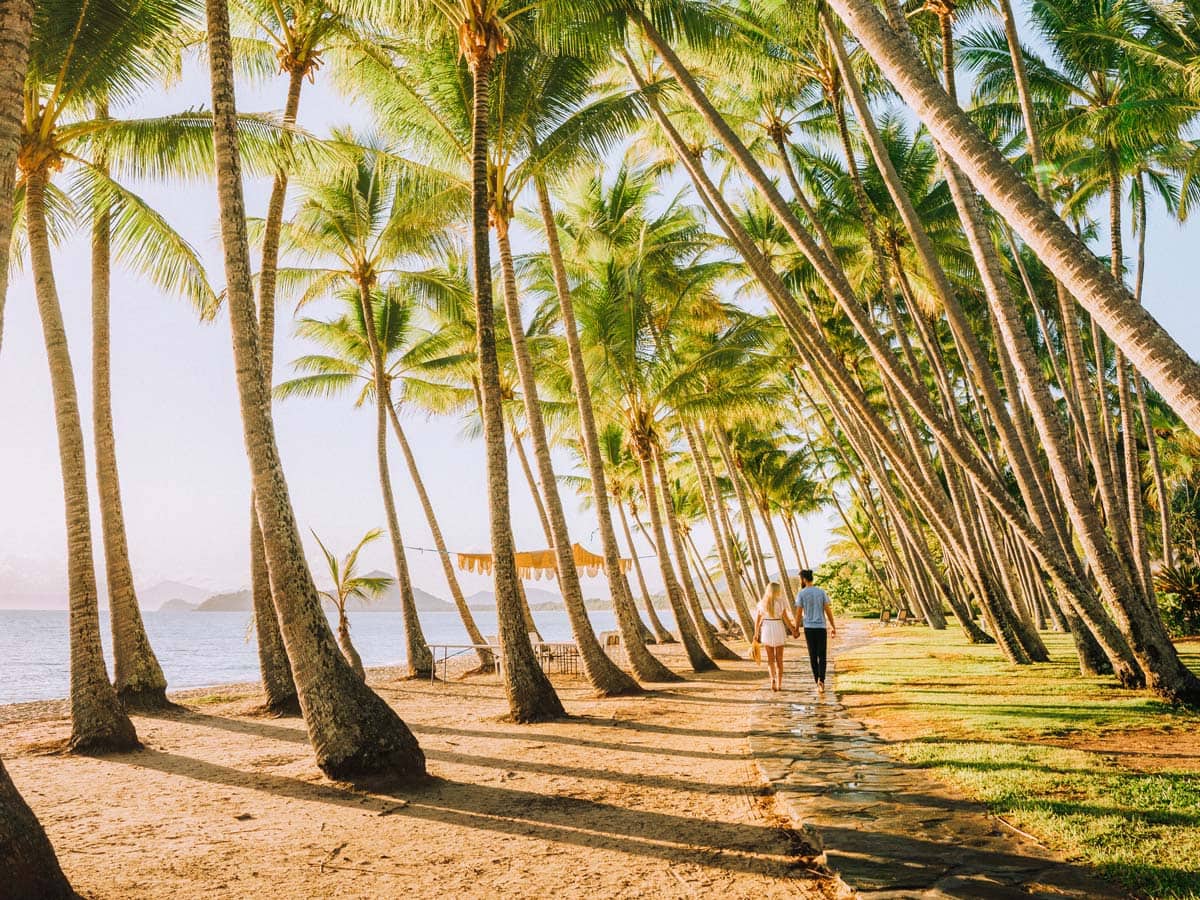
(813, 611)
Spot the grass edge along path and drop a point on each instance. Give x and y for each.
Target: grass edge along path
(1099, 774)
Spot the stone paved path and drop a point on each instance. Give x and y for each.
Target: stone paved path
(887, 829)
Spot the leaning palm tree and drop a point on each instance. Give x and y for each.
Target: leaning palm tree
(348, 585)
(352, 729)
(27, 859)
(26, 856)
(291, 39)
(346, 366)
(355, 227)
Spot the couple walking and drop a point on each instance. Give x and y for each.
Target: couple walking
(775, 618)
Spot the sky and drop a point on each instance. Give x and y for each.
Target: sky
(179, 440)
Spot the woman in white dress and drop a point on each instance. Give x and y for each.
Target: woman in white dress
(772, 625)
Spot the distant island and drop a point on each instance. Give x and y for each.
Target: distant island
(178, 604)
(242, 601)
(540, 600)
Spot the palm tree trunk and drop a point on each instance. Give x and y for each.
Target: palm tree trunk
(1016, 343)
(137, 675)
(600, 670)
(793, 533)
(707, 495)
(351, 654)
(352, 730)
(660, 633)
(700, 661)
(16, 28)
(739, 491)
(278, 684)
(1156, 472)
(279, 687)
(1145, 343)
(809, 343)
(708, 636)
(486, 662)
(715, 604)
(1135, 504)
(27, 859)
(535, 490)
(419, 659)
(531, 697)
(643, 663)
(776, 548)
(98, 721)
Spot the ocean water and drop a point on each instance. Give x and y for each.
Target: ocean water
(201, 649)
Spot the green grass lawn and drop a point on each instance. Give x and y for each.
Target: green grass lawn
(1010, 736)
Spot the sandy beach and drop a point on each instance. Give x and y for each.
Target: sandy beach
(652, 796)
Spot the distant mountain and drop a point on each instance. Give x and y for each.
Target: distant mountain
(156, 595)
(242, 601)
(390, 601)
(539, 599)
(175, 604)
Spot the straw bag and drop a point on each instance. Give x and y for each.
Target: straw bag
(756, 651)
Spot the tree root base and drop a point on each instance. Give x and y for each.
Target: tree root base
(285, 708)
(121, 741)
(149, 699)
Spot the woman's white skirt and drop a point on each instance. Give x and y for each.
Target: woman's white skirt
(773, 633)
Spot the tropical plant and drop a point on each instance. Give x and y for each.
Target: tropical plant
(348, 585)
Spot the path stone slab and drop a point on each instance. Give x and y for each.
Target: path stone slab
(889, 830)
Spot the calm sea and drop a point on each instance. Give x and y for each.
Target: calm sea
(200, 649)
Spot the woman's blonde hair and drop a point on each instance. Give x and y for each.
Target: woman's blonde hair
(770, 598)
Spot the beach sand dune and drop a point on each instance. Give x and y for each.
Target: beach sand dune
(642, 797)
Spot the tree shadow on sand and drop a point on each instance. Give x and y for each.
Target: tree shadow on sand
(561, 818)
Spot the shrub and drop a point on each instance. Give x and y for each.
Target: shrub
(1179, 598)
(850, 587)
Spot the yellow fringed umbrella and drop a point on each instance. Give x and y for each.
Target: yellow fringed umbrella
(538, 564)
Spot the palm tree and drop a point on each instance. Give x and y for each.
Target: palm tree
(348, 585)
(621, 476)
(540, 122)
(355, 227)
(625, 264)
(353, 731)
(137, 674)
(483, 29)
(82, 56)
(291, 39)
(30, 867)
(28, 859)
(347, 366)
